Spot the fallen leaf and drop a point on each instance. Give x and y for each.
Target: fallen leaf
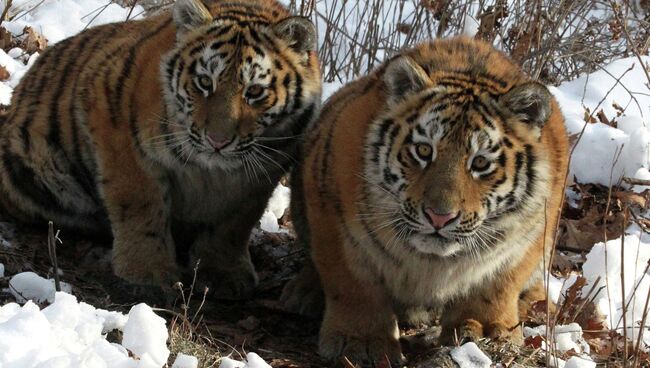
(4, 73)
(34, 41)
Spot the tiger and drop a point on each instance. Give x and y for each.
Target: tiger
(168, 133)
(433, 182)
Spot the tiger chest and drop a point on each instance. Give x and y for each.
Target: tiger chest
(206, 196)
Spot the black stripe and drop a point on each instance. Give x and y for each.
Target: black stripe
(127, 67)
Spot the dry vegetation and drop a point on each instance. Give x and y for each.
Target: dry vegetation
(554, 40)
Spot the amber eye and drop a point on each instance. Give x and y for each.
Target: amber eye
(424, 151)
(480, 163)
(254, 91)
(205, 83)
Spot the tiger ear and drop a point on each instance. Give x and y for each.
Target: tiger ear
(298, 32)
(189, 14)
(530, 101)
(403, 76)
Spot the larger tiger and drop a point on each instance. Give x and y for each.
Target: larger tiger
(434, 181)
(181, 123)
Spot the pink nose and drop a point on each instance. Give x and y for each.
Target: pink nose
(439, 221)
(218, 142)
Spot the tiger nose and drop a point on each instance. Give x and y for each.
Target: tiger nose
(439, 220)
(218, 142)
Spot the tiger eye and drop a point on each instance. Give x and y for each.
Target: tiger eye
(480, 163)
(424, 151)
(205, 82)
(254, 91)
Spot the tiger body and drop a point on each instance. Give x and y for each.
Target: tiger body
(395, 213)
(183, 120)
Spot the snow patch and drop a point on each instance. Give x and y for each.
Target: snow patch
(185, 361)
(595, 157)
(30, 286)
(72, 334)
(470, 355)
(278, 204)
(252, 361)
(145, 335)
(604, 261)
(566, 337)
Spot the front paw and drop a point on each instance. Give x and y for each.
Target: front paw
(237, 283)
(473, 330)
(304, 294)
(162, 273)
(499, 331)
(469, 330)
(361, 349)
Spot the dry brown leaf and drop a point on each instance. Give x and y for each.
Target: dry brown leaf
(34, 41)
(633, 199)
(4, 74)
(534, 341)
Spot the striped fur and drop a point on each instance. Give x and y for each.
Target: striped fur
(185, 120)
(452, 126)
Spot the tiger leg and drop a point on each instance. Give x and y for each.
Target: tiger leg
(359, 321)
(225, 264)
(304, 293)
(137, 204)
(492, 309)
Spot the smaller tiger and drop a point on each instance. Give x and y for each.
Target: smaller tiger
(435, 181)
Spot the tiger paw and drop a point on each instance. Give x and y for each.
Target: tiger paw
(162, 274)
(304, 294)
(366, 351)
(232, 284)
(470, 330)
(499, 331)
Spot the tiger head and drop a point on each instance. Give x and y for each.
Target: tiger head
(454, 159)
(238, 82)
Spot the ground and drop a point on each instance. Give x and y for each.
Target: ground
(261, 325)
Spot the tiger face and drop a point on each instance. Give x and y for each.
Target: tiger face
(450, 160)
(230, 83)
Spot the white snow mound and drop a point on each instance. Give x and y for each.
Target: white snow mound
(252, 361)
(145, 335)
(30, 286)
(185, 361)
(72, 334)
(469, 355)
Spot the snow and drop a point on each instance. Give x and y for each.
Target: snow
(565, 337)
(2, 270)
(594, 159)
(28, 285)
(145, 334)
(580, 362)
(72, 334)
(252, 361)
(185, 361)
(278, 204)
(469, 355)
(554, 288)
(604, 261)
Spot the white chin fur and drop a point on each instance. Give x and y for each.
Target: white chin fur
(428, 245)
